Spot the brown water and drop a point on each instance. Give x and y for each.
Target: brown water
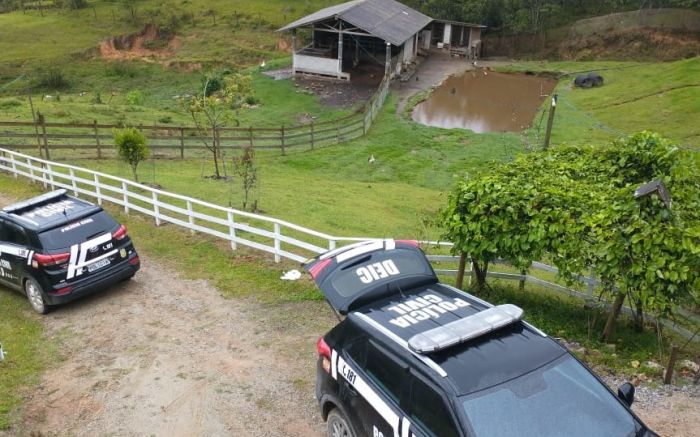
(485, 101)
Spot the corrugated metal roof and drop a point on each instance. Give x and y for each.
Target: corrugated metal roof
(386, 19)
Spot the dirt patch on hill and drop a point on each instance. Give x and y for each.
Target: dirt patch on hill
(642, 43)
(149, 44)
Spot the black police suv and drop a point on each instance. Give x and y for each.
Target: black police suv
(414, 357)
(56, 248)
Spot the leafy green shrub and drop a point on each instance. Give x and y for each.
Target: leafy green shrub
(212, 84)
(165, 120)
(122, 69)
(52, 78)
(132, 147)
(252, 100)
(134, 97)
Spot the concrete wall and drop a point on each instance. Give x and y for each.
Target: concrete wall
(408, 50)
(317, 65)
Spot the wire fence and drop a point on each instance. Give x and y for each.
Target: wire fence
(95, 139)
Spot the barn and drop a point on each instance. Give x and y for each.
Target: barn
(336, 40)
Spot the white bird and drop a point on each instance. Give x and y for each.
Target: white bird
(474, 64)
(262, 64)
(371, 159)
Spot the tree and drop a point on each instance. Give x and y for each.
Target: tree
(577, 204)
(213, 110)
(132, 147)
(244, 167)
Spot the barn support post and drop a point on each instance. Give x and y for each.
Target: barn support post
(340, 52)
(387, 63)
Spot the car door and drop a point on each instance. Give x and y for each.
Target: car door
(429, 412)
(13, 254)
(372, 384)
(361, 273)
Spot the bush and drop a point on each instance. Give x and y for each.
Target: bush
(132, 147)
(165, 120)
(134, 97)
(252, 100)
(52, 78)
(212, 84)
(122, 69)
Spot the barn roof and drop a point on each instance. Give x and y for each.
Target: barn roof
(386, 19)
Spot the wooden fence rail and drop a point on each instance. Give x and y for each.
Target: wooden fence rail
(174, 141)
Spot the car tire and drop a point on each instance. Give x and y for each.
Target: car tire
(36, 296)
(338, 425)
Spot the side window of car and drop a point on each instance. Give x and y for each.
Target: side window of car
(385, 371)
(429, 411)
(357, 350)
(14, 235)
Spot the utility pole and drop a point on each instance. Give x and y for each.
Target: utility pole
(550, 122)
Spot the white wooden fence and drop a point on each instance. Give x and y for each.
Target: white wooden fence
(278, 237)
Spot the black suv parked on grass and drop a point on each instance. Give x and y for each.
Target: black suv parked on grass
(56, 248)
(414, 357)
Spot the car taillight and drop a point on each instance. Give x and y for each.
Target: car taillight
(49, 259)
(120, 233)
(316, 269)
(324, 351)
(413, 243)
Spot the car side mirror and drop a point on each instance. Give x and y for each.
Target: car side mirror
(626, 393)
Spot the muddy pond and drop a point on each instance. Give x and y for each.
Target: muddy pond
(485, 101)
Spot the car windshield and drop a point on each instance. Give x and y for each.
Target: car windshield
(562, 398)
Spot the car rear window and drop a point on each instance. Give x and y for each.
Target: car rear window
(380, 268)
(77, 231)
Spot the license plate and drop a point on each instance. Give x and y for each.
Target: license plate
(98, 265)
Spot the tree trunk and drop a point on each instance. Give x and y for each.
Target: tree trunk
(612, 317)
(136, 176)
(639, 317)
(215, 150)
(480, 273)
(521, 285)
(459, 282)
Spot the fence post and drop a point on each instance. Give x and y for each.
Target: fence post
(282, 139)
(331, 244)
(277, 242)
(312, 135)
(250, 136)
(42, 122)
(73, 183)
(232, 230)
(182, 143)
(31, 168)
(156, 210)
(126, 197)
(97, 139)
(364, 123)
(48, 167)
(98, 192)
(591, 282)
(190, 216)
(43, 175)
(14, 166)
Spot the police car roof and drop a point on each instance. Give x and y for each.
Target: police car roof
(470, 366)
(48, 210)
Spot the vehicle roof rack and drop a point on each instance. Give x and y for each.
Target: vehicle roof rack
(34, 201)
(465, 329)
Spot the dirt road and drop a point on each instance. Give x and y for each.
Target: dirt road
(160, 355)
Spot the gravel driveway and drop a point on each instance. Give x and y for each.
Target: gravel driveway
(160, 355)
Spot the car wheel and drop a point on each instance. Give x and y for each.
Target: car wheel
(35, 296)
(338, 425)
